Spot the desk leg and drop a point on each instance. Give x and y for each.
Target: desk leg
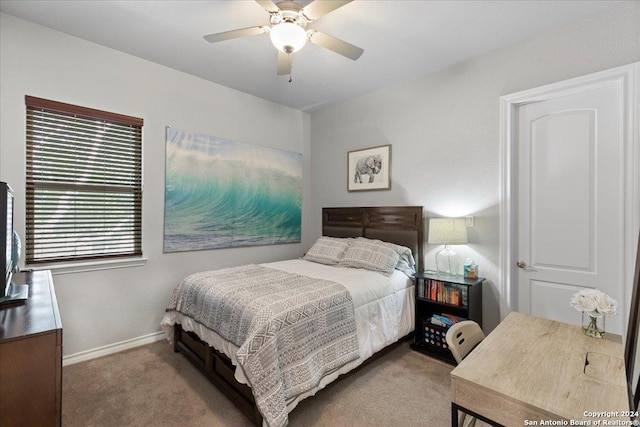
(454, 415)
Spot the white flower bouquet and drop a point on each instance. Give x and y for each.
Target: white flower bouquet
(594, 305)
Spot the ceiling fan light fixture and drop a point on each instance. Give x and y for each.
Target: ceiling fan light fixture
(288, 37)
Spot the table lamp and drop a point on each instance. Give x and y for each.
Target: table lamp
(447, 231)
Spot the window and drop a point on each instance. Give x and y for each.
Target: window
(84, 183)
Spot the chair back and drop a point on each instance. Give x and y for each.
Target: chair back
(462, 337)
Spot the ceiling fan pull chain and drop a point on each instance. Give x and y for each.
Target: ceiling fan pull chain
(290, 57)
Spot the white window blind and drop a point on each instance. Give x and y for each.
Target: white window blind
(84, 183)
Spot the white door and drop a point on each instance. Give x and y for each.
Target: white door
(570, 201)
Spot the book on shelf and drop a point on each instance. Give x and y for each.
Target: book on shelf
(441, 320)
(445, 319)
(454, 319)
(449, 293)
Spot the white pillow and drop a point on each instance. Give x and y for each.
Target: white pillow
(370, 254)
(406, 263)
(327, 250)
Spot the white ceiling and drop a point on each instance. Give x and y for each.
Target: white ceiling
(401, 39)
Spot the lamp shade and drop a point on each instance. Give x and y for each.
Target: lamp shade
(447, 231)
(288, 37)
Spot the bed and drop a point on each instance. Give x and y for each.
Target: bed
(346, 313)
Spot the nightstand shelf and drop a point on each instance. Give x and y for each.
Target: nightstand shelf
(456, 297)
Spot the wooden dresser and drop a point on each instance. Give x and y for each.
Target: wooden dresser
(31, 356)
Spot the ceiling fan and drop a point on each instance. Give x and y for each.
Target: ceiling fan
(287, 30)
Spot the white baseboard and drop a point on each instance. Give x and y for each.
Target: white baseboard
(94, 353)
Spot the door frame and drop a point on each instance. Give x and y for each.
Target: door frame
(627, 77)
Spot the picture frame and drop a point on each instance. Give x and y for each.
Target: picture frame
(369, 169)
(210, 184)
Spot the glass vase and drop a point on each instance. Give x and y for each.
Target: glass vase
(593, 326)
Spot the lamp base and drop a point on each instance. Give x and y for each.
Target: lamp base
(447, 262)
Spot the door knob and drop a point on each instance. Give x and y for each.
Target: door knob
(523, 265)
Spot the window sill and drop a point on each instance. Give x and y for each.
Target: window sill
(81, 267)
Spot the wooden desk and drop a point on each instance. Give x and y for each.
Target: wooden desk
(534, 369)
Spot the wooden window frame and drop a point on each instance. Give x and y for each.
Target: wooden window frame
(83, 184)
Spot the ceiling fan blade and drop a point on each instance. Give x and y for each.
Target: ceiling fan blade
(269, 6)
(285, 61)
(319, 8)
(336, 45)
(234, 34)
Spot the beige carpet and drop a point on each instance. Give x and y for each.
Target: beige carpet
(153, 386)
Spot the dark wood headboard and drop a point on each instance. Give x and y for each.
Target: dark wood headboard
(402, 225)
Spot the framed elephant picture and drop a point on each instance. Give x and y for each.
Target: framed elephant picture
(369, 169)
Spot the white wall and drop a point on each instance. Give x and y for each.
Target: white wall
(444, 130)
(109, 306)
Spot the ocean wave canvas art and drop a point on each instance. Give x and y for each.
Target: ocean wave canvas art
(221, 193)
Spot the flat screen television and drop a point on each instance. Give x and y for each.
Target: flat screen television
(9, 293)
(6, 238)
